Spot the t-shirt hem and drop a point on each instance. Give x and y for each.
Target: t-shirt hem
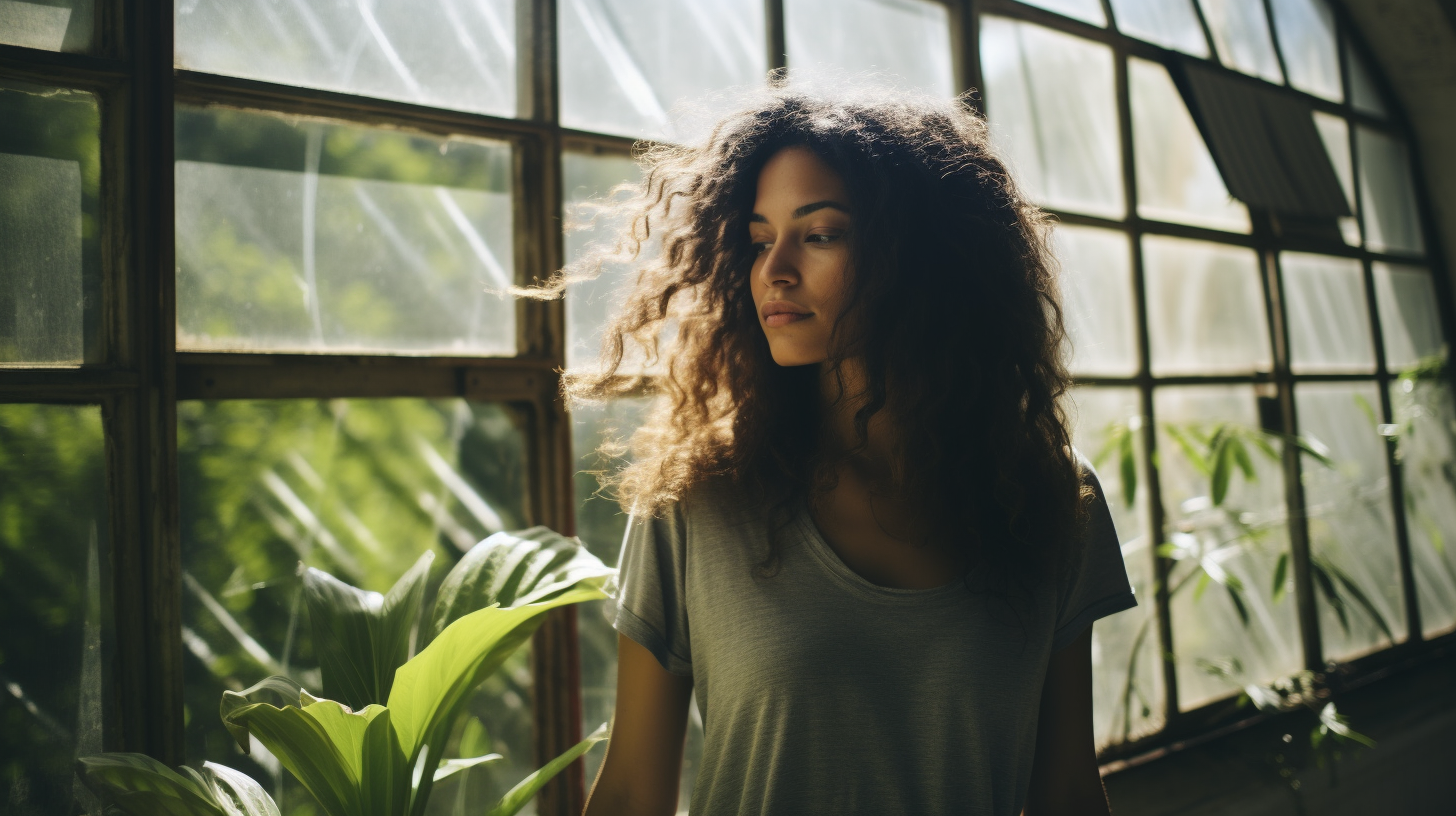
(650, 639)
(1069, 631)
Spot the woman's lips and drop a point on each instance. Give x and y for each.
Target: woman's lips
(778, 313)
(783, 319)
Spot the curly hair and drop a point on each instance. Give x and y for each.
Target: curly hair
(953, 316)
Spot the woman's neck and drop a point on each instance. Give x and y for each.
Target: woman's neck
(841, 395)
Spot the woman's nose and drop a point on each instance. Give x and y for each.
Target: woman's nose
(779, 267)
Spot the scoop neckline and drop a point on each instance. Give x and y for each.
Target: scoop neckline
(857, 583)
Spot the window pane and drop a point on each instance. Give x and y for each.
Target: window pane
(1363, 93)
(1392, 220)
(306, 235)
(54, 598)
(1334, 131)
(1351, 530)
(626, 63)
(58, 25)
(1236, 543)
(358, 488)
(1205, 308)
(1329, 318)
(1098, 300)
(1409, 320)
(1169, 23)
(590, 303)
(904, 41)
(50, 225)
(1426, 434)
(1127, 673)
(1306, 32)
(1053, 107)
(1089, 11)
(1240, 31)
(457, 54)
(1176, 177)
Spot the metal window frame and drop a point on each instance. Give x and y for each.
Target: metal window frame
(142, 375)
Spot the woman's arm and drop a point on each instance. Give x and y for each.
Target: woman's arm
(640, 773)
(1064, 777)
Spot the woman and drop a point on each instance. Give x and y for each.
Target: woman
(859, 531)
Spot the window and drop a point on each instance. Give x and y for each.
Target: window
(253, 311)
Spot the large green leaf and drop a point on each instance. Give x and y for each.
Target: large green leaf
(362, 637)
(279, 690)
(514, 569)
(305, 747)
(238, 793)
(518, 796)
(384, 788)
(142, 786)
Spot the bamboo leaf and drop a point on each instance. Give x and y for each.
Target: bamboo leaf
(518, 796)
(1242, 459)
(1281, 573)
(1237, 596)
(1222, 456)
(1315, 449)
(1127, 458)
(142, 786)
(1363, 600)
(1333, 722)
(1190, 451)
(1260, 440)
(1332, 594)
(454, 766)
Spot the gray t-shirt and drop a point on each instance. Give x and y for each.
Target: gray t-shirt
(822, 693)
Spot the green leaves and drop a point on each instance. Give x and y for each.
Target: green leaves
(142, 786)
(518, 796)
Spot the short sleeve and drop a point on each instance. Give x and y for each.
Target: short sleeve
(651, 588)
(1094, 585)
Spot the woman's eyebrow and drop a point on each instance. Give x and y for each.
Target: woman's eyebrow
(805, 210)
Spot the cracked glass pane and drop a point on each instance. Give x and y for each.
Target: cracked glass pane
(1232, 625)
(1240, 30)
(56, 642)
(50, 226)
(54, 25)
(360, 489)
(1410, 321)
(904, 43)
(1169, 23)
(1053, 111)
(1176, 178)
(1392, 219)
(1425, 433)
(304, 235)
(458, 54)
(1097, 299)
(628, 65)
(1329, 318)
(1205, 308)
(1306, 32)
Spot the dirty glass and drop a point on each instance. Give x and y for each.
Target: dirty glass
(588, 180)
(1205, 308)
(1169, 23)
(1306, 33)
(1053, 110)
(303, 235)
(52, 25)
(50, 225)
(1240, 30)
(1410, 322)
(1354, 565)
(1392, 219)
(358, 488)
(458, 54)
(905, 43)
(1097, 297)
(1328, 316)
(1425, 432)
(1231, 625)
(1363, 93)
(626, 65)
(1088, 11)
(1334, 132)
(1176, 177)
(1127, 674)
(55, 646)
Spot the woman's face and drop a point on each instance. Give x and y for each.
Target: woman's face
(799, 228)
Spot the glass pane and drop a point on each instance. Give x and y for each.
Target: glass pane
(1176, 177)
(1127, 673)
(1089, 11)
(358, 488)
(901, 41)
(1223, 550)
(1329, 318)
(54, 597)
(1053, 107)
(457, 54)
(1205, 308)
(52, 25)
(1240, 30)
(1392, 220)
(1355, 564)
(1410, 323)
(1363, 93)
(1425, 424)
(50, 225)
(625, 64)
(1334, 131)
(1306, 32)
(306, 235)
(1098, 298)
(589, 303)
(1169, 23)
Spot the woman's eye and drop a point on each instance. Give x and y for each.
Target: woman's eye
(821, 238)
(760, 247)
